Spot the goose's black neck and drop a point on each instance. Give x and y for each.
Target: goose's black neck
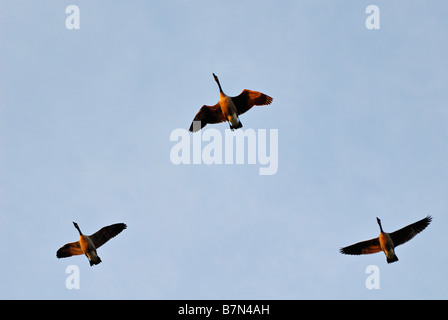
(217, 81)
(77, 228)
(379, 223)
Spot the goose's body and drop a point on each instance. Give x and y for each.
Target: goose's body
(88, 244)
(387, 242)
(387, 246)
(228, 108)
(89, 249)
(230, 111)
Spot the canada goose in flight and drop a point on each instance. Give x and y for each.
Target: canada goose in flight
(228, 108)
(387, 242)
(88, 244)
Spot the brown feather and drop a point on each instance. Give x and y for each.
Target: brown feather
(407, 233)
(207, 114)
(363, 247)
(69, 249)
(106, 233)
(248, 98)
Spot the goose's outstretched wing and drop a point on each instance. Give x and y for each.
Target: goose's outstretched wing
(207, 114)
(248, 98)
(363, 247)
(407, 233)
(105, 234)
(69, 249)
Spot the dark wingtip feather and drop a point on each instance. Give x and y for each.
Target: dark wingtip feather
(196, 128)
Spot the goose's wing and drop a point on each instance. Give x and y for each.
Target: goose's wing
(105, 234)
(207, 114)
(363, 247)
(69, 249)
(248, 98)
(407, 233)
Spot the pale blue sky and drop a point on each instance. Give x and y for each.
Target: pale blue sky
(85, 122)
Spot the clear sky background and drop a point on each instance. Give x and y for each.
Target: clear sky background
(85, 122)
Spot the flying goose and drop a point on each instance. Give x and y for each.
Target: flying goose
(387, 242)
(88, 244)
(228, 108)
